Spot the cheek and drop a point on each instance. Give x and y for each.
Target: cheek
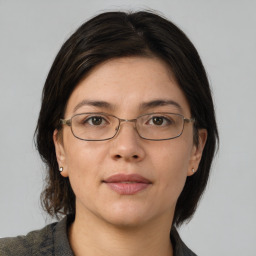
(80, 154)
(172, 162)
(83, 175)
(83, 162)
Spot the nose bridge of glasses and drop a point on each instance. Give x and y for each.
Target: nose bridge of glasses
(126, 121)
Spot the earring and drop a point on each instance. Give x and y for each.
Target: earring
(193, 170)
(61, 169)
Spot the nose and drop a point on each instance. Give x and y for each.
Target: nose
(127, 145)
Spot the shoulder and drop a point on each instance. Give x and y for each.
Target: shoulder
(36, 243)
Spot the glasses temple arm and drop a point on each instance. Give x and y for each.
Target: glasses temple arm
(67, 122)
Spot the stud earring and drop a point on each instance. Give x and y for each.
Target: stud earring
(193, 170)
(61, 169)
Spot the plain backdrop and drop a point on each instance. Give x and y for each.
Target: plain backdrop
(224, 32)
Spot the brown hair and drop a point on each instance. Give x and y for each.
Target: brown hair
(112, 35)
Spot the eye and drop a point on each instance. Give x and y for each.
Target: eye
(157, 120)
(160, 121)
(95, 121)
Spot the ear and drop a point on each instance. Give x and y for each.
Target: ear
(197, 152)
(60, 152)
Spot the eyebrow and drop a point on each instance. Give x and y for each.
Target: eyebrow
(158, 103)
(94, 103)
(143, 106)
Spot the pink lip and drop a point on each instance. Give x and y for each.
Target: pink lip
(127, 184)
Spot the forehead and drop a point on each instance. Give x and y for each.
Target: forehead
(127, 83)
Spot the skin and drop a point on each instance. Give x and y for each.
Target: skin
(106, 222)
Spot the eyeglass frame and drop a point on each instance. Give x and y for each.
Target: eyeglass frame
(68, 122)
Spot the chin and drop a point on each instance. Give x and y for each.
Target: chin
(123, 222)
(127, 216)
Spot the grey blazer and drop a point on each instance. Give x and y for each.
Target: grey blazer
(52, 240)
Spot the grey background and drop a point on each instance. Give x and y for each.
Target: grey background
(224, 32)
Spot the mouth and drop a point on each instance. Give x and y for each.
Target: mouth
(125, 184)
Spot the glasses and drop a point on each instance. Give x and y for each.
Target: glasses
(102, 126)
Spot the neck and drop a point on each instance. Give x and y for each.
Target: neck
(91, 236)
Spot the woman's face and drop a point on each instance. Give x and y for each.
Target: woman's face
(127, 180)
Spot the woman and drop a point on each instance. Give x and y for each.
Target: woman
(127, 130)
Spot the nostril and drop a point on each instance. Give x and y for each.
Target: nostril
(135, 156)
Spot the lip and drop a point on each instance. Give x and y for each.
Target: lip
(127, 184)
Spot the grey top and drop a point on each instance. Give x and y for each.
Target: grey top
(52, 240)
